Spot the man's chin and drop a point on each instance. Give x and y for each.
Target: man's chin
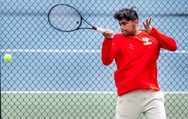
(124, 33)
(127, 34)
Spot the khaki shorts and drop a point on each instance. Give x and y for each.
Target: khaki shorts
(132, 105)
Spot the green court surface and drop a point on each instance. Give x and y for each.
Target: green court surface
(77, 105)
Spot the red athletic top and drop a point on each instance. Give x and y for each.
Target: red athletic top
(136, 59)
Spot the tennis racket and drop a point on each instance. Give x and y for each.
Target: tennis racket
(66, 18)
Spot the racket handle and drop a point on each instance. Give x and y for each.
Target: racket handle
(99, 29)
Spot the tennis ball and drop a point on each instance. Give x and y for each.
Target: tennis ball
(7, 57)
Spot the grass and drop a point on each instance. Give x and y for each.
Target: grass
(77, 105)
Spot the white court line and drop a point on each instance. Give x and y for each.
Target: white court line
(57, 92)
(74, 51)
(77, 92)
(52, 50)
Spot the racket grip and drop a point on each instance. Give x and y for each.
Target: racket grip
(99, 29)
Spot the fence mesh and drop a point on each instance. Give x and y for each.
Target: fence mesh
(56, 74)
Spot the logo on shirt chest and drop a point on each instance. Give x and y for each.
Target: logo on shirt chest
(146, 41)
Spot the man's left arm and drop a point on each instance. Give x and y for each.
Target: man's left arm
(166, 42)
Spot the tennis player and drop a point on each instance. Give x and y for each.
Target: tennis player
(136, 52)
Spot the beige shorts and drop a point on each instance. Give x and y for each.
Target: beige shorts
(132, 105)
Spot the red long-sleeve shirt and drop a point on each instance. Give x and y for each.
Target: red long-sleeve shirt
(136, 59)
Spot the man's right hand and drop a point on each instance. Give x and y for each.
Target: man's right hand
(108, 34)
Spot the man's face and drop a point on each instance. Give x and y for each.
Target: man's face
(128, 27)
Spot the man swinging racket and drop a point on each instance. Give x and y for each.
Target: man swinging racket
(135, 52)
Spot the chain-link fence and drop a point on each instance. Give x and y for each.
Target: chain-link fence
(55, 75)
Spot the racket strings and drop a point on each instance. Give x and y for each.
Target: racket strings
(64, 18)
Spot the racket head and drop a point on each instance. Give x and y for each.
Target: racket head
(64, 18)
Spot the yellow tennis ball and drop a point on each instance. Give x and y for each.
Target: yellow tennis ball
(7, 57)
